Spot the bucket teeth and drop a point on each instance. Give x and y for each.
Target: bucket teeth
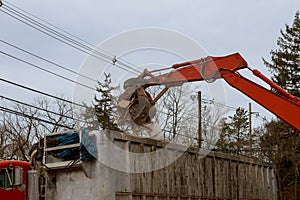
(138, 103)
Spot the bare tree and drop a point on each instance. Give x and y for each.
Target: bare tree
(23, 125)
(211, 117)
(177, 115)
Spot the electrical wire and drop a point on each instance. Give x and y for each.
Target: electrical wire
(72, 41)
(65, 39)
(31, 117)
(40, 92)
(211, 101)
(87, 52)
(58, 28)
(48, 29)
(45, 70)
(46, 60)
(121, 61)
(39, 108)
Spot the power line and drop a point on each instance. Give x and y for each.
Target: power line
(61, 40)
(48, 29)
(31, 117)
(41, 30)
(65, 39)
(40, 92)
(212, 101)
(45, 70)
(219, 104)
(124, 62)
(69, 40)
(39, 108)
(58, 28)
(46, 60)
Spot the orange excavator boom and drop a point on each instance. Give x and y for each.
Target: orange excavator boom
(277, 100)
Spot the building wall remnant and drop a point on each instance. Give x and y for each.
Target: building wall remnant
(190, 177)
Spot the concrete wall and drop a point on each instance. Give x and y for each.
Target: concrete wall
(192, 176)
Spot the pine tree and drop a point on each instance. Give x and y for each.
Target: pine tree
(281, 141)
(234, 134)
(285, 61)
(105, 108)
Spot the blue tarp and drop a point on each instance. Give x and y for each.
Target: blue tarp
(87, 149)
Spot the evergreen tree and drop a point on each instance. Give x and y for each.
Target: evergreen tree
(281, 141)
(105, 107)
(234, 133)
(285, 61)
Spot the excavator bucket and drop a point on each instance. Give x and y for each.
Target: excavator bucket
(136, 102)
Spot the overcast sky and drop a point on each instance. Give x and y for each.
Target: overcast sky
(220, 26)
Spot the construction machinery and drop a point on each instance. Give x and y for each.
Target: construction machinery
(20, 180)
(13, 179)
(140, 105)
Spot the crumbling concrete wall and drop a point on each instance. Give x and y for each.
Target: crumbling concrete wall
(194, 174)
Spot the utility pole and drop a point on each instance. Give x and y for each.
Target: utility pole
(250, 129)
(199, 120)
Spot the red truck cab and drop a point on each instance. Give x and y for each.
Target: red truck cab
(13, 179)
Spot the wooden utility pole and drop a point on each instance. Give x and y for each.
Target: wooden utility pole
(250, 130)
(199, 120)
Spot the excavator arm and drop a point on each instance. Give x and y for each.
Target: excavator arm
(285, 107)
(277, 100)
